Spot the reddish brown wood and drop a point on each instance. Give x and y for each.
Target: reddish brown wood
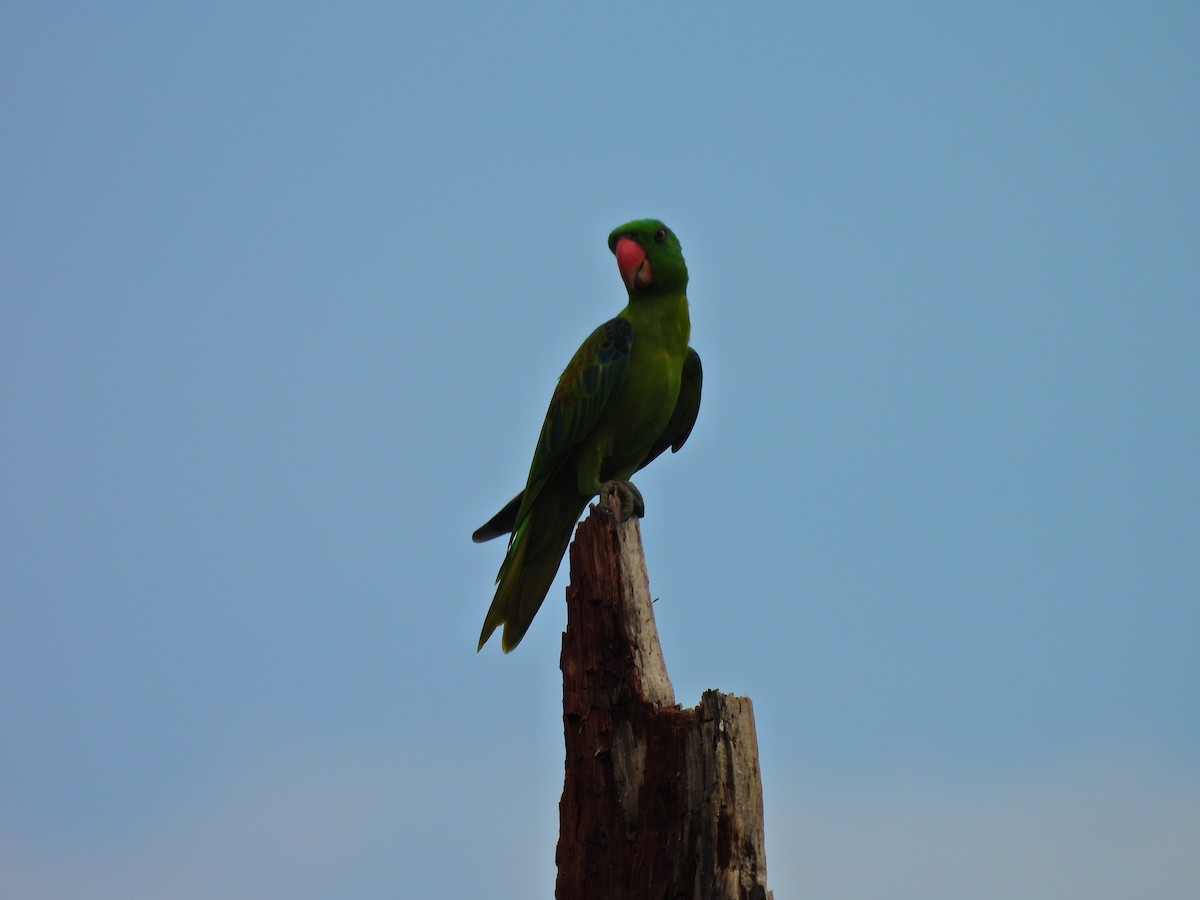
(659, 802)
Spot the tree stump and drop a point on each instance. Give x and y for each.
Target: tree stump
(659, 802)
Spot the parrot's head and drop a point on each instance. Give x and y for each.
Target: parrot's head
(649, 257)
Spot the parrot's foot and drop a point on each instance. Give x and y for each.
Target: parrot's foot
(629, 500)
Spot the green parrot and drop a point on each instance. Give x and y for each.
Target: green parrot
(630, 392)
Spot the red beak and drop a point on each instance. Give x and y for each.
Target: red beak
(631, 260)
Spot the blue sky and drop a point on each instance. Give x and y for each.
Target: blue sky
(286, 289)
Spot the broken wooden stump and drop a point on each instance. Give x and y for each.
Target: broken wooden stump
(659, 802)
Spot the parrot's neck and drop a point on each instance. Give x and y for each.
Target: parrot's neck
(662, 319)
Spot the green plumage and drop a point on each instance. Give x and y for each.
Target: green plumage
(630, 392)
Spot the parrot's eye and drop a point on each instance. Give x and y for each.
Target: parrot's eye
(660, 236)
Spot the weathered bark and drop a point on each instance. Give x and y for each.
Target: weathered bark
(659, 802)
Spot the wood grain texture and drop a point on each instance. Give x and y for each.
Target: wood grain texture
(659, 802)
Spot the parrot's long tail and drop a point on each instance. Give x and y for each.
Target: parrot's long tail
(529, 568)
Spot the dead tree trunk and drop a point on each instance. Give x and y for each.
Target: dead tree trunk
(659, 803)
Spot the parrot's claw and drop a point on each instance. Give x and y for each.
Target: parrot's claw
(629, 500)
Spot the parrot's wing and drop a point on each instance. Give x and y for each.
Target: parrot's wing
(687, 407)
(591, 378)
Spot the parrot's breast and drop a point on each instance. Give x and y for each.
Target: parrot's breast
(641, 410)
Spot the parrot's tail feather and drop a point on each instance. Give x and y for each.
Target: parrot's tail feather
(501, 523)
(535, 581)
(528, 571)
(498, 612)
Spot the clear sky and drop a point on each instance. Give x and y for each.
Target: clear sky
(285, 289)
